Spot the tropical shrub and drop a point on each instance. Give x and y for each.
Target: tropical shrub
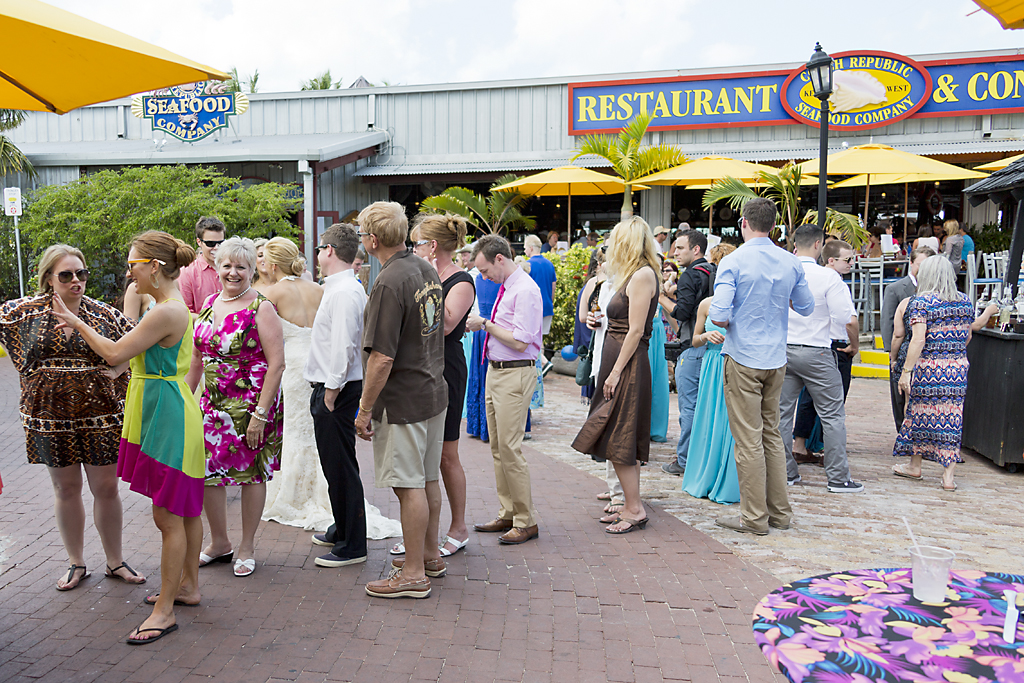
(100, 214)
(990, 238)
(571, 271)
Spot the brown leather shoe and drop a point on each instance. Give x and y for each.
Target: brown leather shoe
(435, 569)
(809, 459)
(519, 535)
(495, 525)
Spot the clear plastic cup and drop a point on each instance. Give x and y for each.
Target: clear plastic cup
(930, 576)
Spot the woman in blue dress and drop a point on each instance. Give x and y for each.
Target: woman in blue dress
(711, 464)
(476, 411)
(659, 380)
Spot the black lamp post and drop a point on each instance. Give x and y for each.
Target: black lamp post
(819, 70)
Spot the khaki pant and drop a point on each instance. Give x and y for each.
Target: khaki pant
(752, 399)
(507, 400)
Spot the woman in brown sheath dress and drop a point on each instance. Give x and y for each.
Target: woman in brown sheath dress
(618, 428)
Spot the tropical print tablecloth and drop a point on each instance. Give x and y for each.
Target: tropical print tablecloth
(865, 626)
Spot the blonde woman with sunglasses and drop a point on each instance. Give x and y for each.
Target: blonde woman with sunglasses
(72, 406)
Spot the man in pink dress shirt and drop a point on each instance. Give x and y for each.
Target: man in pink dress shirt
(200, 279)
(512, 346)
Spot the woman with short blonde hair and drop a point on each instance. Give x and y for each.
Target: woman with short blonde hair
(953, 245)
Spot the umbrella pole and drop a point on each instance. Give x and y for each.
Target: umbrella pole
(711, 218)
(867, 198)
(906, 188)
(569, 221)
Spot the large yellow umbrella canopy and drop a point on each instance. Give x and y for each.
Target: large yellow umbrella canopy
(565, 180)
(1009, 13)
(1001, 164)
(878, 159)
(57, 61)
(887, 179)
(706, 171)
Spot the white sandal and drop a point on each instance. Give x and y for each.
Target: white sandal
(459, 545)
(245, 567)
(397, 549)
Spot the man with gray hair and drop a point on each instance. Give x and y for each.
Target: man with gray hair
(405, 397)
(755, 286)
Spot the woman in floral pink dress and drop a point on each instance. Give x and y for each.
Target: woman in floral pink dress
(240, 347)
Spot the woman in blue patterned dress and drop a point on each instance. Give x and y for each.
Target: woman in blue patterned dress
(476, 414)
(934, 372)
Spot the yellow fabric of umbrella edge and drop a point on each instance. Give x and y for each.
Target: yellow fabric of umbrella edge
(1010, 18)
(900, 179)
(1000, 164)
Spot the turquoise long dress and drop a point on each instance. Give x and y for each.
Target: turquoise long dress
(710, 463)
(659, 380)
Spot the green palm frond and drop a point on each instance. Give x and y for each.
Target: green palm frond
(728, 189)
(443, 203)
(658, 158)
(13, 160)
(11, 118)
(846, 225)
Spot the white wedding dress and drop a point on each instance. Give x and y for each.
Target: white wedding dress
(297, 495)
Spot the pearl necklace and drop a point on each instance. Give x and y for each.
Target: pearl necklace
(237, 296)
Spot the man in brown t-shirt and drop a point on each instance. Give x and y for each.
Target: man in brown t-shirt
(404, 394)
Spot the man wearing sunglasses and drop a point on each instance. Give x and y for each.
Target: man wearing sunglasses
(200, 280)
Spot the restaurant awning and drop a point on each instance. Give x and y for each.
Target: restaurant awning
(317, 149)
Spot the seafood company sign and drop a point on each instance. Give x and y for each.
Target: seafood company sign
(190, 112)
(870, 89)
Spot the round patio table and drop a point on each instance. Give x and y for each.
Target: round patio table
(864, 625)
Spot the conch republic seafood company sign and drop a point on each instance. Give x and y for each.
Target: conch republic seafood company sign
(190, 112)
(870, 89)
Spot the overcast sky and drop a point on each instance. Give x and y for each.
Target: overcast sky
(413, 42)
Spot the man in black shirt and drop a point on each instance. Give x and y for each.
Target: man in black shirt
(694, 285)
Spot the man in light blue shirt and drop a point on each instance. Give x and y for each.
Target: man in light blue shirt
(755, 287)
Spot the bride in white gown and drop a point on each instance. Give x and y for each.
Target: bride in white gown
(297, 495)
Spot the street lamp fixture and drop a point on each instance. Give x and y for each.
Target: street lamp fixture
(819, 71)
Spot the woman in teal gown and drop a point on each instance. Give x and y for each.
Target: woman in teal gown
(711, 464)
(659, 380)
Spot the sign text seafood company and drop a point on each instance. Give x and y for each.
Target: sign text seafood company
(870, 89)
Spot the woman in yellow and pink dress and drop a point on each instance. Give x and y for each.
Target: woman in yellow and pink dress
(161, 453)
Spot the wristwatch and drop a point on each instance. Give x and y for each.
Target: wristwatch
(262, 412)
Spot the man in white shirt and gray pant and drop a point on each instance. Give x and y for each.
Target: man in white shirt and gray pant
(335, 371)
(810, 363)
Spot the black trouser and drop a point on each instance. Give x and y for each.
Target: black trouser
(805, 412)
(898, 400)
(336, 442)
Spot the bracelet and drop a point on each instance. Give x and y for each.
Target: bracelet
(362, 409)
(262, 412)
(907, 372)
(257, 417)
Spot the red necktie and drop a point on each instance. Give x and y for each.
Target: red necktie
(494, 312)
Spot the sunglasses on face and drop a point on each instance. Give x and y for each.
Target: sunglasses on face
(420, 243)
(848, 259)
(212, 244)
(324, 246)
(133, 261)
(66, 276)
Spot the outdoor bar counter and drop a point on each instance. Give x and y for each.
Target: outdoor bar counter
(993, 409)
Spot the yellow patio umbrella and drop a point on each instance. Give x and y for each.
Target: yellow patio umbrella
(567, 181)
(885, 179)
(701, 173)
(1001, 164)
(1009, 13)
(57, 61)
(874, 160)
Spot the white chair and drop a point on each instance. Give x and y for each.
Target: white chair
(872, 284)
(993, 280)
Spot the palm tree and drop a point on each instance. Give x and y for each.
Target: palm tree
(12, 159)
(235, 83)
(629, 158)
(783, 188)
(321, 81)
(496, 213)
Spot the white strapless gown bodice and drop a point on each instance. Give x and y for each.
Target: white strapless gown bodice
(297, 495)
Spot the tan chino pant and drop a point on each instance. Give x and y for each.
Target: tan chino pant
(508, 398)
(752, 399)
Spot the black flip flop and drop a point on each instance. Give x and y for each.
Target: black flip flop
(161, 632)
(179, 603)
(71, 574)
(124, 565)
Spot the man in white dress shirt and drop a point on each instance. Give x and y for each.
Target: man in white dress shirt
(335, 371)
(810, 363)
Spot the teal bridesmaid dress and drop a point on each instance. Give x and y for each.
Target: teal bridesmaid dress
(710, 464)
(659, 380)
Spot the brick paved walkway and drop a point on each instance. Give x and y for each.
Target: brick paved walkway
(668, 603)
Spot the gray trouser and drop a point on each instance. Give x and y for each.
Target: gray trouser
(816, 369)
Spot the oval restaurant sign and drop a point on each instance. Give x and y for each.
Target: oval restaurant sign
(190, 112)
(869, 89)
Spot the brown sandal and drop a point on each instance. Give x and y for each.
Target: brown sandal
(633, 524)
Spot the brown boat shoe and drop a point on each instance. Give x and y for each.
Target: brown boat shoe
(494, 526)
(435, 569)
(397, 587)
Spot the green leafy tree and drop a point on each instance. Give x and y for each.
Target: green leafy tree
(100, 214)
(496, 213)
(237, 84)
(783, 188)
(12, 160)
(629, 157)
(321, 81)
